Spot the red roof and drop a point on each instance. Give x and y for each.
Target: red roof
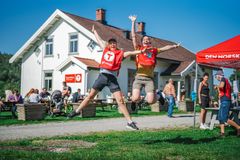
(107, 31)
(225, 54)
(89, 62)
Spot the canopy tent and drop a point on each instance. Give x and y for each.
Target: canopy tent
(225, 54)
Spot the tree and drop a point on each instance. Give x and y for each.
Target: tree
(9, 74)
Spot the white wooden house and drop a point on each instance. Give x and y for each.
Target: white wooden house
(64, 48)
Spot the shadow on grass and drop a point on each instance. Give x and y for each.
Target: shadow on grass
(182, 116)
(181, 140)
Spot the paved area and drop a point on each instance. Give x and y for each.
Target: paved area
(83, 127)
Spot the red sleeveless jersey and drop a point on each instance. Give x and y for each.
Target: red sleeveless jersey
(226, 90)
(111, 60)
(147, 58)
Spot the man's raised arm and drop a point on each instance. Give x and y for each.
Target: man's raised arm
(168, 47)
(100, 41)
(134, 40)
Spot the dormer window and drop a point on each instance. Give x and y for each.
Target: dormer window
(49, 47)
(91, 45)
(73, 43)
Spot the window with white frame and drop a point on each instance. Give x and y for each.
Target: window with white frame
(73, 43)
(49, 47)
(91, 45)
(48, 78)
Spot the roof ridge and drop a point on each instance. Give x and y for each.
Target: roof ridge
(94, 21)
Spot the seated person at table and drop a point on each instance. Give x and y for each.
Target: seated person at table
(77, 96)
(15, 98)
(34, 97)
(26, 98)
(11, 97)
(44, 95)
(18, 97)
(18, 100)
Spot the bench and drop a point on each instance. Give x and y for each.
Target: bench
(8, 107)
(31, 111)
(157, 107)
(234, 114)
(89, 111)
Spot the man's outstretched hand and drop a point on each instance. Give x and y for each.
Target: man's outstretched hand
(132, 18)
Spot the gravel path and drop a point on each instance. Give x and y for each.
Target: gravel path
(83, 127)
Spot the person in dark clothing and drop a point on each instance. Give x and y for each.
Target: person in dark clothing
(204, 100)
(224, 89)
(77, 96)
(44, 95)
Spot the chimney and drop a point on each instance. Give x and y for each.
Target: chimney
(141, 28)
(100, 16)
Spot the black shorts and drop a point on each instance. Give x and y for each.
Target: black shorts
(205, 102)
(106, 80)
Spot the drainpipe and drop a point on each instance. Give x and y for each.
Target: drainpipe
(85, 81)
(237, 86)
(195, 90)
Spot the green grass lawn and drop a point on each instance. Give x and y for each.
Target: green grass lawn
(6, 118)
(157, 144)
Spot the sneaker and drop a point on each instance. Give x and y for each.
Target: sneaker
(202, 127)
(132, 126)
(206, 126)
(72, 114)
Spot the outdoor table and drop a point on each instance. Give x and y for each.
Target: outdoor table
(99, 101)
(214, 113)
(110, 101)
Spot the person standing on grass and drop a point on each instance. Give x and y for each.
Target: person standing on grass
(204, 100)
(224, 88)
(109, 69)
(145, 63)
(170, 93)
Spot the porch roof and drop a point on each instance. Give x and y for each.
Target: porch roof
(178, 69)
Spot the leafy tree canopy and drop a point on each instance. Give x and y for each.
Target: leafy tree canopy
(9, 74)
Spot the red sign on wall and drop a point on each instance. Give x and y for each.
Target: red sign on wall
(73, 78)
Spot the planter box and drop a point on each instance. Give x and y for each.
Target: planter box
(190, 106)
(157, 107)
(31, 111)
(89, 111)
(129, 108)
(187, 106)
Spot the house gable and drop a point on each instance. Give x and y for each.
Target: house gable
(41, 32)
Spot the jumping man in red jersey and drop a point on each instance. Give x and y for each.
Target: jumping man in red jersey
(109, 68)
(145, 66)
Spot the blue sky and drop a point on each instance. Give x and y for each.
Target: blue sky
(197, 24)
